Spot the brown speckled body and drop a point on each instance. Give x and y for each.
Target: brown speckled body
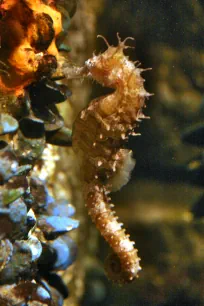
(98, 137)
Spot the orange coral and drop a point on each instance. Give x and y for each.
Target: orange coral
(28, 30)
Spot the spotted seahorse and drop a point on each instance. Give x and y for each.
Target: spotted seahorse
(99, 136)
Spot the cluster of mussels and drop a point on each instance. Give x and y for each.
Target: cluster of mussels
(33, 226)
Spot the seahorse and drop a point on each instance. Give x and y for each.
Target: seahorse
(99, 135)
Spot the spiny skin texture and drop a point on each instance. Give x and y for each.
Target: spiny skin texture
(98, 137)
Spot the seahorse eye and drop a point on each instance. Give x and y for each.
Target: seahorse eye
(88, 63)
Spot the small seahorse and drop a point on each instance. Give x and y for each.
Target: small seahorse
(99, 135)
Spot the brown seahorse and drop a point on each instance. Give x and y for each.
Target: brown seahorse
(99, 135)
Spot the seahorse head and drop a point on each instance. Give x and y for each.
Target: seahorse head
(107, 68)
